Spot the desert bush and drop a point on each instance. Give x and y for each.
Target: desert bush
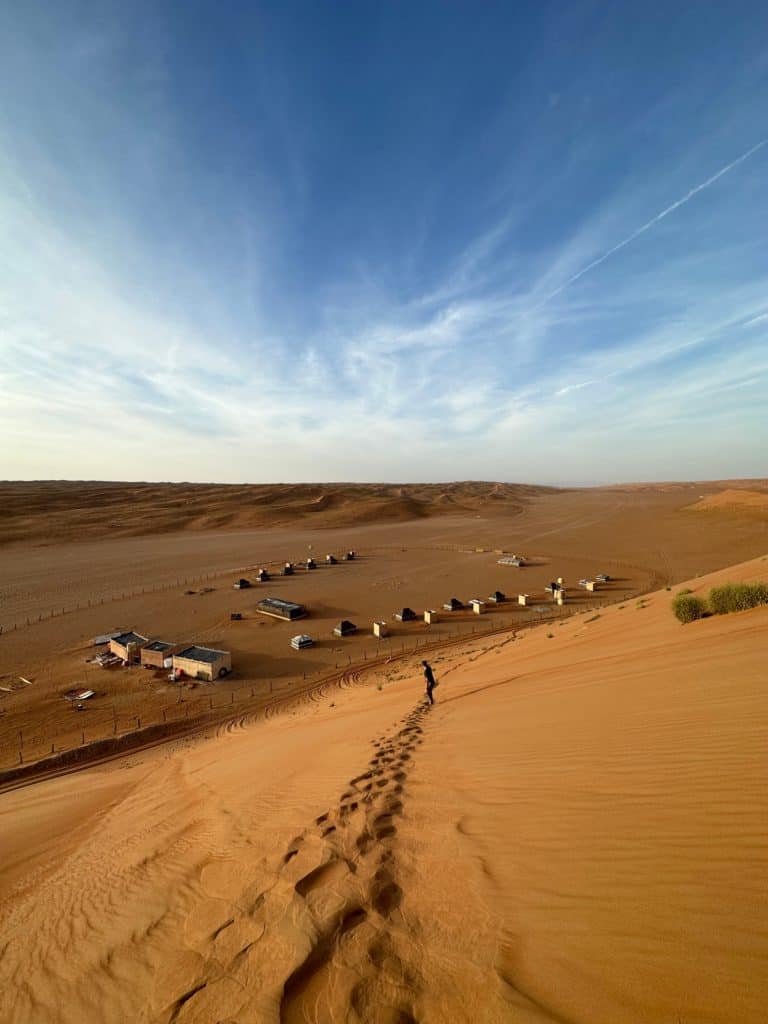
(687, 607)
(685, 590)
(737, 597)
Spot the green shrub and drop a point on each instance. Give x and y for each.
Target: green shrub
(685, 590)
(737, 597)
(687, 607)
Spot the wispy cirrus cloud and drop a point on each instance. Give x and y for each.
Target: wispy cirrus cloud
(232, 275)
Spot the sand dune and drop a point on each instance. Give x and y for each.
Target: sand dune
(575, 832)
(731, 498)
(44, 511)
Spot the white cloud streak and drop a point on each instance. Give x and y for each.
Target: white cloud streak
(651, 223)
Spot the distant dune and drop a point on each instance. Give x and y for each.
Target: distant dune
(731, 498)
(59, 510)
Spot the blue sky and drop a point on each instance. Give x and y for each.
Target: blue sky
(389, 241)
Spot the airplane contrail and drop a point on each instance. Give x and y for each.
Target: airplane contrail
(654, 220)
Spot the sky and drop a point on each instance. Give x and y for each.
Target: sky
(383, 241)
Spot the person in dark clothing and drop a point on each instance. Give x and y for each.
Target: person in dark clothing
(429, 679)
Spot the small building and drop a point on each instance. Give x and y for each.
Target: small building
(349, 556)
(602, 577)
(590, 585)
(380, 629)
(127, 646)
(311, 563)
(202, 663)
(344, 628)
(281, 609)
(242, 584)
(330, 560)
(522, 599)
(431, 616)
(497, 597)
(157, 652)
(288, 569)
(477, 606)
(298, 643)
(405, 615)
(453, 605)
(262, 576)
(514, 560)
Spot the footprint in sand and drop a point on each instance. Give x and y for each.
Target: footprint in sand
(386, 894)
(322, 875)
(383, 828)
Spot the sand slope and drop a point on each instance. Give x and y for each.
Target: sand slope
(576, 832)
(731, 498)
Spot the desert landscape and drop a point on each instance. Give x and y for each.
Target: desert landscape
(574, 832)
(383, 513)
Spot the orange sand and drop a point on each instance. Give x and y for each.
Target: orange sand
(576, 832)
(753, 501)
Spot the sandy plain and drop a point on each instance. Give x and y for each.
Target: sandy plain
(575, 832)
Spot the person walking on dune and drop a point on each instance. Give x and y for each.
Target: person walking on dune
(429, 679)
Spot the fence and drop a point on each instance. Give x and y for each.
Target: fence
(30, 620)
(23, 747)
(20, 747)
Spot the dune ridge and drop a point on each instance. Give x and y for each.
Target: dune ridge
(733, 498)
(45, 511)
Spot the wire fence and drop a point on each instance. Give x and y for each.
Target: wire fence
(272, 565)
(21, 747)
(106, 599)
